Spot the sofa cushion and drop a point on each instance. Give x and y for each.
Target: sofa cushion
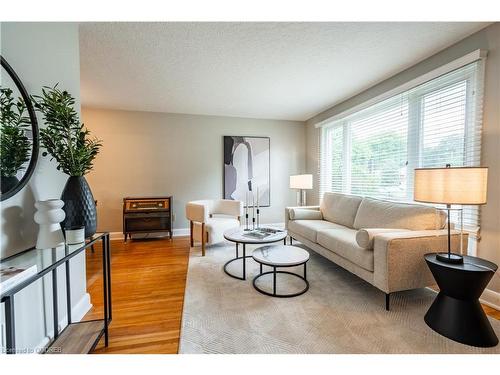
(309, 228)
(340, 208)
(374, 213)
(365, 237)
(343, 242)
(305, 214)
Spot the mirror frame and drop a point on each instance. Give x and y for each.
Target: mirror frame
(34, 126)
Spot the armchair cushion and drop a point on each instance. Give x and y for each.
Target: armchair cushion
(215, 228)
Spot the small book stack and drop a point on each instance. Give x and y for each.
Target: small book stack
(11, 276)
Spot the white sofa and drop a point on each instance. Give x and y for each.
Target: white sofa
(209, 219)
(380, 241)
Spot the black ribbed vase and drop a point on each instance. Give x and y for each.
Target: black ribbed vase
(79, 205)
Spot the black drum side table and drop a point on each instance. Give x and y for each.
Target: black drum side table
(456, 312)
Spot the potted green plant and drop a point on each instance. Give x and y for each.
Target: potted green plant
(15, 145)
(67, 141)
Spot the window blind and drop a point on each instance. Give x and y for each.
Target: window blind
(374, 151)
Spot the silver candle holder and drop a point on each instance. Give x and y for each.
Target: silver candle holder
(255, 214)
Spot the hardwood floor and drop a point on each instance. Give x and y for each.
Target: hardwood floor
(148, 283)
(491, 312)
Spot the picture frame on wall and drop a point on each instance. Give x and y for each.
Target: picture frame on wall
(247, 168)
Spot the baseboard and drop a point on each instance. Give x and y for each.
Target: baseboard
(78, 311)
(491, 298)
(179, 232)
(81, 308)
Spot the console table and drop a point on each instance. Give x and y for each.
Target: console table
(76, 337)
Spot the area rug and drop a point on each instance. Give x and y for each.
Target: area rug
(339, 314)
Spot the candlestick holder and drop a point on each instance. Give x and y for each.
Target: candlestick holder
(253, 222)
(258, 218)
(246, 222)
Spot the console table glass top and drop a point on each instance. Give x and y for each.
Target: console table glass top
(45, 258)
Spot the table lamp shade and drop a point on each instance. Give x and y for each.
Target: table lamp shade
(451, 185)
(301, 181)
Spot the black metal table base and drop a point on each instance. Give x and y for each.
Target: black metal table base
(244, 268)
(244, 265)
(461, 320)
(274, 272)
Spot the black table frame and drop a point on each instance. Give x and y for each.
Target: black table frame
(274, 272)
(8, 297)
(244, 257)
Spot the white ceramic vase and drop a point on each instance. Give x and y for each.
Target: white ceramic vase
(49, 216)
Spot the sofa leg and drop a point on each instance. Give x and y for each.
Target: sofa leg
(291, 240)
(387, 301)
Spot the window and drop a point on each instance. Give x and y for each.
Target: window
(373, 151)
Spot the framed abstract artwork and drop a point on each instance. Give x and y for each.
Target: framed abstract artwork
(247, 168)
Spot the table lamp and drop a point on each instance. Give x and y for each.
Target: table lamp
(301, 182)
(451, 185)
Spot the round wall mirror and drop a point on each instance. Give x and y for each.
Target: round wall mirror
(18, 133)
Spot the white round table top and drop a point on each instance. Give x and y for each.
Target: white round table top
(237, 235)
(280, 255)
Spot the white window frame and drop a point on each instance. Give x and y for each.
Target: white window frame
(415, 123)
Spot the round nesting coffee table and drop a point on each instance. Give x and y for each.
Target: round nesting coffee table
(280, 256)
(237, 236)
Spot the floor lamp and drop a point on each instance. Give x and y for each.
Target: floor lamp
(301, 182)
(451, 185)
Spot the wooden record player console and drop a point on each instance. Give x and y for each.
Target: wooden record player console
(147, 215)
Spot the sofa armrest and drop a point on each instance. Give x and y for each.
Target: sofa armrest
(287, 212)
(399, 257)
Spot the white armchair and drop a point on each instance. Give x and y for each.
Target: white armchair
(209, 219)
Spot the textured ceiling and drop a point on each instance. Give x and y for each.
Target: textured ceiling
(259, 70)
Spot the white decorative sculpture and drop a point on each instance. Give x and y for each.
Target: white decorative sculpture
(49, 215)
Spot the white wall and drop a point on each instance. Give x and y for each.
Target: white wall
(148, 153)
(489, 39)
(41, 54)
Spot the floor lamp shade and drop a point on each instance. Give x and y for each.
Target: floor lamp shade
(451, 185)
